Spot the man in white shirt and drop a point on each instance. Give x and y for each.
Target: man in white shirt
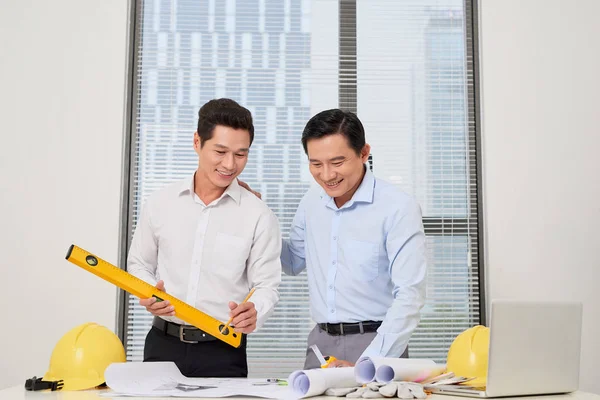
(208, 242)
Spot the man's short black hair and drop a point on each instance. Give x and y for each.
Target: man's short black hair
(330, 122)
(225, 112)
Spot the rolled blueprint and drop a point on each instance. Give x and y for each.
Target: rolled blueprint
(387, 369)
(313, 382)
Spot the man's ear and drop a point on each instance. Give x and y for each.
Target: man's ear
(197, 142)
(364, 153)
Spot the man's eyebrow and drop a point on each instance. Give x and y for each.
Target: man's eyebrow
(334, 159)
(220, 146)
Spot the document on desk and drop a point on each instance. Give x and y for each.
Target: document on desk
(164, 379)
(313, 382)
(387, 369)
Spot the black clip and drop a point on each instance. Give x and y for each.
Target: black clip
(36, 383)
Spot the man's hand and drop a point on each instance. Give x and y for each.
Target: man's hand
(245, 186)
(244, 316)
(158, 308)
(340, 363)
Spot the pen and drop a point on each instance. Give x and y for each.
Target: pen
(281, 382)
(231, 319)
(272, 381)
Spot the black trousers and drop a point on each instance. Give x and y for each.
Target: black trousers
(203, 359)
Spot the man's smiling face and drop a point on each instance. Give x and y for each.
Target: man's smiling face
(336, 166)
(223, 157)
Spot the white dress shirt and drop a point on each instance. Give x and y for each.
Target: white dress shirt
(208, 255)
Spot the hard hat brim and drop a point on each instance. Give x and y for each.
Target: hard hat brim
(76, 384)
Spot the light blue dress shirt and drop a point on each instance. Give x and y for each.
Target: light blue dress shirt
(365, 261)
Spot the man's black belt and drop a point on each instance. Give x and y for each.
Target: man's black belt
(350, 328)
(185, 333)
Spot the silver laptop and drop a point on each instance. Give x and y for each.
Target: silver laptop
(534, 349)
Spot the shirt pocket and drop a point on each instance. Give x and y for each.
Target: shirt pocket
(231, 251)
(363, 257)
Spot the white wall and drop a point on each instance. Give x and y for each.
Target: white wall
(62, 74)
(541, 144)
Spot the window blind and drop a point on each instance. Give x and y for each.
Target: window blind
(285, 61)
(415, 97)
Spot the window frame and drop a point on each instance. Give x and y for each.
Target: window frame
(347, 94)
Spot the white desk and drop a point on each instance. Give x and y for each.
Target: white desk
(19, 393)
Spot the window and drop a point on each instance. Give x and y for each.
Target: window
(406, 68)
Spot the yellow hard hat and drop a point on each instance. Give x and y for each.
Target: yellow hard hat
(82, 355)
(468, 355)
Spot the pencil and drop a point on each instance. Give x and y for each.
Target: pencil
(231, 319)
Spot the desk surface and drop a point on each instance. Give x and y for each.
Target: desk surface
(19, 393)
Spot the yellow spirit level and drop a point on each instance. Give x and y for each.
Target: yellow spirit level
(144, 290)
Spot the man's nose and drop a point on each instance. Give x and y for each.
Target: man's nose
(228, 161)
(328, 173)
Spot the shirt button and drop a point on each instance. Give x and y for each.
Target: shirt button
(335, 238)
(337, 213)
(333, 262)
(330, 286)
(332, 311)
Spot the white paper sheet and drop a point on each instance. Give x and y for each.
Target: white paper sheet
(313, 382)
(385, 369)
(164, 379)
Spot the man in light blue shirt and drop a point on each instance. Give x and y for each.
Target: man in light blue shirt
(362, 243)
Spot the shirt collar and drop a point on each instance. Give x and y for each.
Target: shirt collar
(364, 193)
(233, 190)
(187, 185)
